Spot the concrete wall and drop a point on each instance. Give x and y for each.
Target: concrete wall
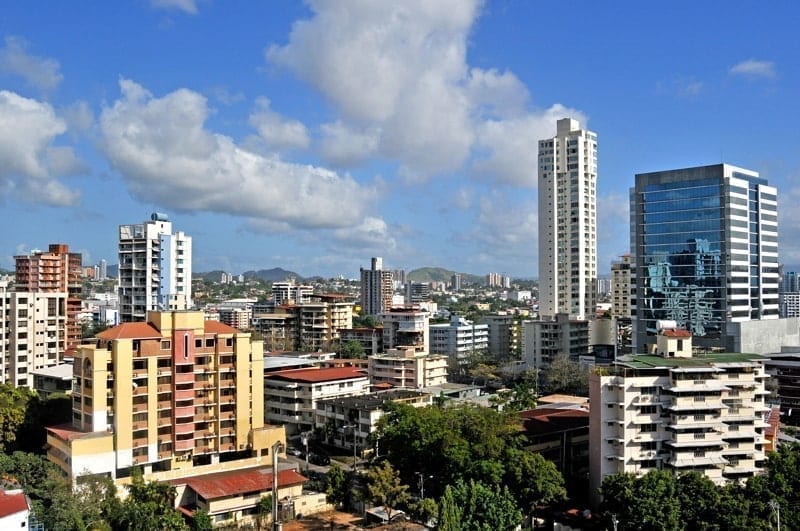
(766, 336)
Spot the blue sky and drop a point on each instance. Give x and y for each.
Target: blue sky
(315, 135)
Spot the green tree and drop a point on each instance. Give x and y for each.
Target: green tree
(13, 408)
(450, 512)
(649, 502)
(338, 487)
(52, 411)
(201, 521)
(149, 505)
(425, 510)
(352, 349)
(264, 509)
(565, 375)
(483, 507)
(385, 488)
(699, 500)
(533, 479)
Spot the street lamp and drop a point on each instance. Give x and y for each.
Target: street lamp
(277, 448)
(304, 437)
(422, 484)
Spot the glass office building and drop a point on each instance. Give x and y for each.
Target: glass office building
(705, 245)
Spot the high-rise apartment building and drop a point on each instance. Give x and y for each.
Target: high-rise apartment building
(568, 222)
(407, 326)
(376, 288)
(32, 333)
(460, 340)
(705, 244)
(155, 269)
(54, 271)
(621, 285)
(174, 395)
(675, 411)
(289, 291)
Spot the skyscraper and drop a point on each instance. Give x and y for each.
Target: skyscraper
(155, 269)
(376, 289)
(55, 271)
(705, 244)
(568, 222)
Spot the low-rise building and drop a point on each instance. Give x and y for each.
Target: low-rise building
(404, 367)
(406, 326)
(459, 340)
(14, 509)
(348, 421)
(53, 380)
(371, 339)
(675, 411)
(291, 396)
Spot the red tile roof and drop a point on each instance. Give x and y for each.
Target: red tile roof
(13, 502)
(318, 375)
(130, 331)
(215, 327)
(66, 432)
(235, 482)
(677, 332)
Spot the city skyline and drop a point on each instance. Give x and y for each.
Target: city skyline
(315, 138)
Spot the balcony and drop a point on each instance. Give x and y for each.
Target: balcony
(183, 429)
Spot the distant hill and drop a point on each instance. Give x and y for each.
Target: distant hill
(209, 275)
(439, 274)
(275, 274)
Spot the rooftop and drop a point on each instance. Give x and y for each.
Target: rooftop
(647, 361)
(318, 375)
(373, 401)
(12, 502)
(234, 482)
(62, 371)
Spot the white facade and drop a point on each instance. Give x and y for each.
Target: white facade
(459, 339)
(289, 292)
(155, 269)
(568, 222)
(32, 333)
(704, 414)
(404, 368)
(290, 397)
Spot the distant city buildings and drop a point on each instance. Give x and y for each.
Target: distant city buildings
(417, 292)
(497, 280)
(155, 269)
(289, 292)
(705, 245)
(504, 335)
(568, 222)
(376, 288)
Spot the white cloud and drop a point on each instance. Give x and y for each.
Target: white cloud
(753, 68)
(78, 115)
(277, 132)
(513, 145)
(397, 75)
(39, 72)
(163, 150)
(28, 160)
(371, 233)
(344, 146)
(187, 6)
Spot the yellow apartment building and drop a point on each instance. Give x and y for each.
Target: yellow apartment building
(176, 395)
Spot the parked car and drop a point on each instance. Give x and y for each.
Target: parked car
(294, 451)
(318, 459)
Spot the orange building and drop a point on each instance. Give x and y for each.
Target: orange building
(55, 271)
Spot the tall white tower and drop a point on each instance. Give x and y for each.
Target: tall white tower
(568, 222)
(376, 288)
(155, 269)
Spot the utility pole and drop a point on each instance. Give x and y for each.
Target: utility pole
(614, 521)
(276, 449)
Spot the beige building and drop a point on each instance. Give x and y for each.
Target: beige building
(406, 326)
(33, 333)
(672, 410)
(621, 285)
(309, 326)
(173, 395)
(406, 368)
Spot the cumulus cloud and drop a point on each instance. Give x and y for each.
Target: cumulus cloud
(187, 6)
(277, 132)
(167, 156)
(753, 69)
(39, 72)
(28, 160)
(397, 75)
(371, 233)
(78, 115)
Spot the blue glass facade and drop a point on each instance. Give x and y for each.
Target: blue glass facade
(699, 249)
